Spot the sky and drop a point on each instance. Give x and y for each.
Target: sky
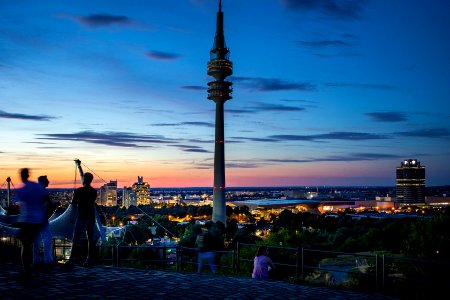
(325, 92)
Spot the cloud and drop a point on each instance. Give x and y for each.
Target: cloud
(341, 9)
(6, 115)
(272, 84)
(426, 133)
(252, 139)
(204, 124)
(340, 54)
(392, 116)
(276, 107)
(324, 43)
(363, 85)
(348, 136)
(101, 20)
(244, 165)
(349, 157)
(194, 87)
(158, 55)
(117, 139)
(333, 158)
(190, 148)
(239, 111)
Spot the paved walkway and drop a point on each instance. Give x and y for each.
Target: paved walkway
(125, 283)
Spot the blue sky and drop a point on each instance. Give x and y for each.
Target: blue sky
(325, 92)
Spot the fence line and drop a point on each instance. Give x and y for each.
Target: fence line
(365, 271)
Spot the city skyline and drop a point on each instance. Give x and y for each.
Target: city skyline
(324, 92)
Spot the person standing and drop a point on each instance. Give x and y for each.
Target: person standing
(45, 234)
(84, 198)
(262, 264)
(31, 218)
(206, 246)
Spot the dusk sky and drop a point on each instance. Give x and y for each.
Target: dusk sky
(325, 92)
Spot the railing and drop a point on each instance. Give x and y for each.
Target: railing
(370, 272)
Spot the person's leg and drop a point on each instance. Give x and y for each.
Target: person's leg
(200, 262)
(90, 227)
(48, 244)
(28, 234)
(211, 262)
(37, 249)
(79, 226)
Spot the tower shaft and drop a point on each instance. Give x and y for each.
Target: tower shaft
(219, 203)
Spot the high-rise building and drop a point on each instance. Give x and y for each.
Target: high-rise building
(410, 182)
(108, 194)
(129, 197)
(142, 191)
(219, 91)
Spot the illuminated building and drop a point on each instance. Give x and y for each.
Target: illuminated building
(108, 194)
(142, 191)
(410, 182)
(219, 91)
(129, 197)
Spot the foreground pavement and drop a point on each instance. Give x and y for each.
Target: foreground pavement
(126, 283)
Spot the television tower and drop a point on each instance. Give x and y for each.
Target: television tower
(219, 91)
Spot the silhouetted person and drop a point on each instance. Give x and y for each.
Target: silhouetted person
(262, 264)
(84, 198)
(31, 217)
(45, 234)
(206, 246)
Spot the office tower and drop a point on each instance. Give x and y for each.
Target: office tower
(108, 194)
(410, 182)
(219, 91)
(142, 191)
(129, 197)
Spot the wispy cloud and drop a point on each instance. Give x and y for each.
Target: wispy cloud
(6, 115)
(324, 43)
(332, 55)
(276, 107)
(158, 55)
(252, 139)
(348, 136)
(272, 84)
(426, 133)
(101, 20)
(194, 87)
(393, 116)
(191, 148)
(341, 9)
(305, 103)
(118, 139)
(348, 157)
(362, 85)
(243, 165)
(202, 124)
(239, 111)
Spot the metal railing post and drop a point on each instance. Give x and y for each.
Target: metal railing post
(164, 257)
(117, 255)
(303, 263)
(233, 261)
(297, 254)
(237, 257)
(383, 269)
(376, 271)
(178, 256)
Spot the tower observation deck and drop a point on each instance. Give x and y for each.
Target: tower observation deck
(219, 91)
